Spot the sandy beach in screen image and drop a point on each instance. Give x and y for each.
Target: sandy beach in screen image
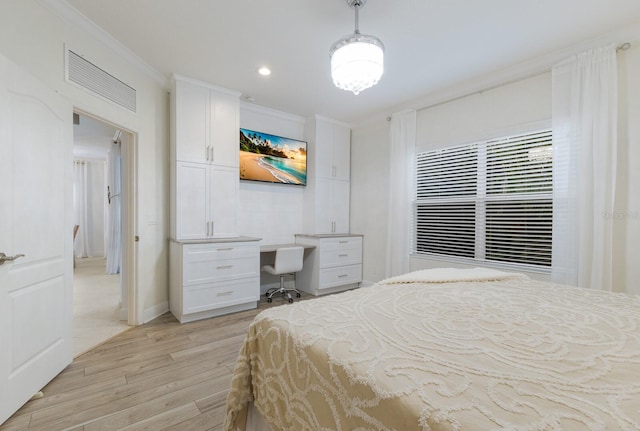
(250, 169)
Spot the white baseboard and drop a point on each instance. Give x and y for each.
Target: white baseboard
(157, 310)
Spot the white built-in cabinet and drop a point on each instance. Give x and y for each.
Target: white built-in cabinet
(334, 263)
(212, 270)
(214, 277)
(204, 150)
(206, 200)
(328, 189)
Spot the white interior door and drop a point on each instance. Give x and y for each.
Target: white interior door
(35, 220)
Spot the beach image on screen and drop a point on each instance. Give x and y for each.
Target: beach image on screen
(270, 158)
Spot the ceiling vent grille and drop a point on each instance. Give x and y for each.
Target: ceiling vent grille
(89, 76)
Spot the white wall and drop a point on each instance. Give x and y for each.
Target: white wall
(272, 212)
(370, 195)
(33, 34)
(517, 107)
(496, 112)
(493, 113)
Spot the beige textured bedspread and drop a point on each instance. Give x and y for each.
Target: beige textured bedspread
(511, 354)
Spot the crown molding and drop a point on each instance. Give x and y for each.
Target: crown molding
(247, 106)
(178, 77)
(64, 10)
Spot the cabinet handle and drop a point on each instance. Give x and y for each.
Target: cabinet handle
(343, 242)
(343, 255)
(227, 293)
(343, 275)
(225, 249)
(225, 266)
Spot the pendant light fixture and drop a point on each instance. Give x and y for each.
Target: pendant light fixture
(357, 60)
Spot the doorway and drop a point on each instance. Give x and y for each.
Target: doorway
(100, 295)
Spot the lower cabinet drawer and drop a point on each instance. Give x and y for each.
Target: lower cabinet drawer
(209, 296)
(338, 276)
(340, 257)
(197, 272)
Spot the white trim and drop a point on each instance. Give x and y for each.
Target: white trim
(68, 12)
(252, 107)
(177, 77)
(331, 120)
(155, 311)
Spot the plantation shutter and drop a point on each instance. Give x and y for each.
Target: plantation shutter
(445, 210)
(490, 201)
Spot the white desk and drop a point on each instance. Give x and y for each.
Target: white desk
(269, 248)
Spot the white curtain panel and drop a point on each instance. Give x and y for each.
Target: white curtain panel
(81, 208)
(113, 244)
(584, 162)
(401, 191)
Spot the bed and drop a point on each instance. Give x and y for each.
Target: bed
(446, 350)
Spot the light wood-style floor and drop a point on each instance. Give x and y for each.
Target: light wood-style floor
(159, 376)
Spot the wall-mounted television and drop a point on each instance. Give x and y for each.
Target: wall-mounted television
(272, 159)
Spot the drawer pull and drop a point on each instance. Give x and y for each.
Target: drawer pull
(227, 293)
(225, 249)
(225, 266)
(344, 242)
(343, 275)
(343, 254)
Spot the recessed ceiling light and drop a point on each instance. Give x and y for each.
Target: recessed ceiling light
(264, 71)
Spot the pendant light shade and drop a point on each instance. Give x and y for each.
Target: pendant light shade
(357, 60)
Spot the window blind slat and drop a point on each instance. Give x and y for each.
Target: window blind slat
(505, 184)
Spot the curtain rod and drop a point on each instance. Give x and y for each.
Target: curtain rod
(623, 47)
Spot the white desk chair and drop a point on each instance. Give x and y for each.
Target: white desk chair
(288, 260)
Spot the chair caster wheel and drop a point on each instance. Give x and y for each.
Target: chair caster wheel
(269, 299)
(290, 300)
(298, 295)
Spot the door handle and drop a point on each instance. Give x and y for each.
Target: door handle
(4, 258)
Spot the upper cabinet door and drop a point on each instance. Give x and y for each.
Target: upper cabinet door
(225, 128)
(192, 122)
(341, 152)
(224, 185)
(207, 124)
(332, 150)
(324, 149)
(192, 200)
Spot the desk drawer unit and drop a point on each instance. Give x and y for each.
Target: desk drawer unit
(217, 263)
(339, 276)
(335, 252)
(203, 297)
(334, 265)
(214, 278)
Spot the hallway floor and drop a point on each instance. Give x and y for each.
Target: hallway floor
(96, 305)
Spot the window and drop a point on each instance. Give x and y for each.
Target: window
(488, 201)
